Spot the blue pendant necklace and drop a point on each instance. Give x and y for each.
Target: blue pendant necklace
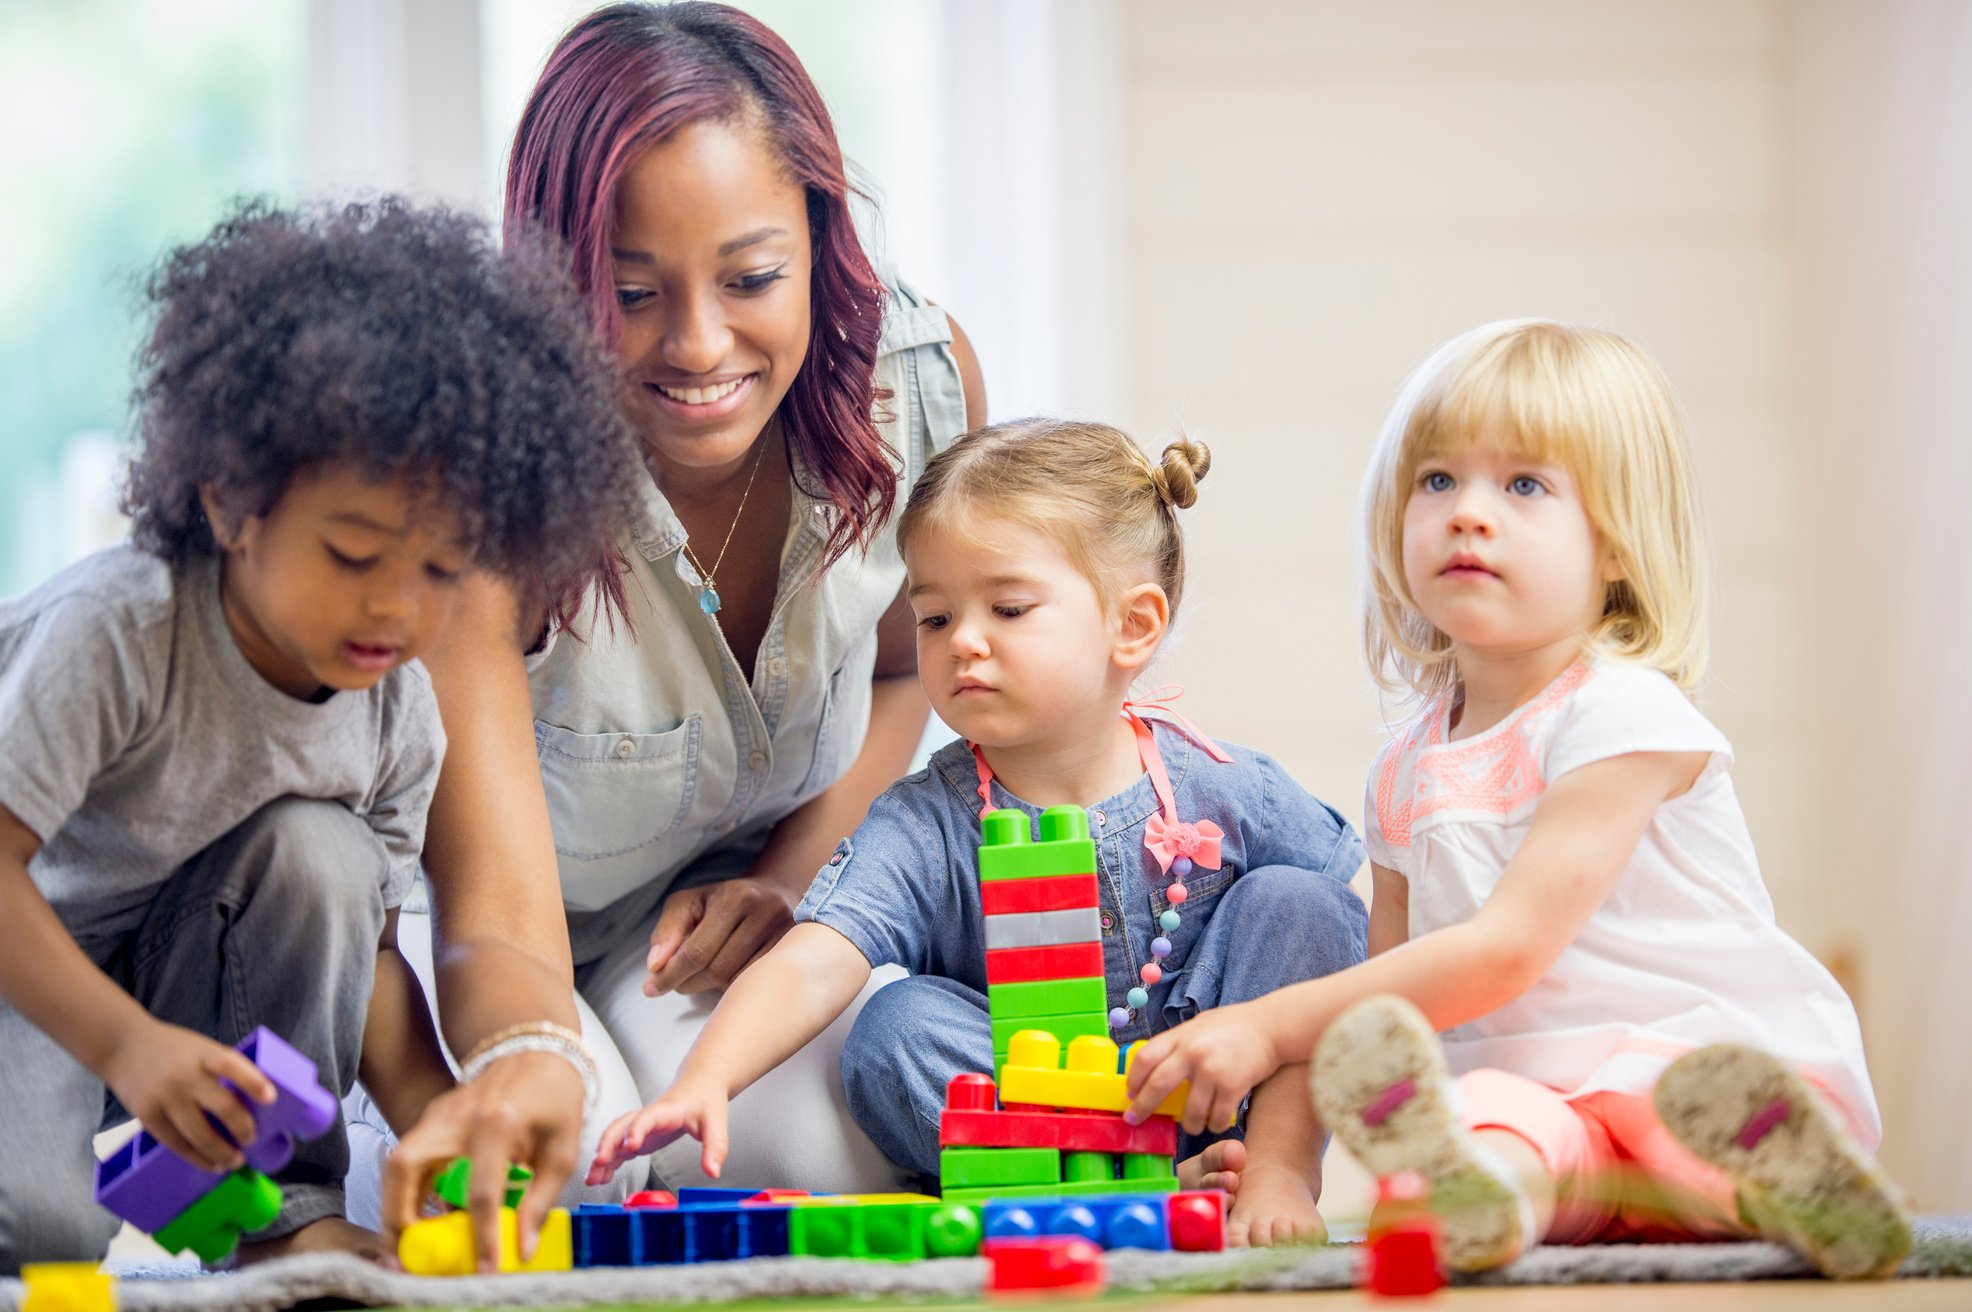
(708, 591)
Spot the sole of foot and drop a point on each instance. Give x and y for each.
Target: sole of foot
(1802, 1180)
(1380, 1085)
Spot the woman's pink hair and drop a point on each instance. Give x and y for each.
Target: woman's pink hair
(630, 75)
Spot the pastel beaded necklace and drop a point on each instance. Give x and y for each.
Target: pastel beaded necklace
(1178, 846)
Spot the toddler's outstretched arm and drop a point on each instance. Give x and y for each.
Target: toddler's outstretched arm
(1576, 849)
(776, 1006)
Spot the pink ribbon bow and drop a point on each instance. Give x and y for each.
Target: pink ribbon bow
(1168, 840)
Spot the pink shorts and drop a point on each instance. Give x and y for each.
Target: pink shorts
(1619, 1174)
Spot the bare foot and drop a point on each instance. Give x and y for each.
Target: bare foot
(1275, 1205)
(1218, 1167)
(331, 1234)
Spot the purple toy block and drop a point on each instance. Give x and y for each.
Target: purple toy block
(302, 1108)
(149, 1186)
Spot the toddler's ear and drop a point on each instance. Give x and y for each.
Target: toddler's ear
(226, 526)
(1144, 614)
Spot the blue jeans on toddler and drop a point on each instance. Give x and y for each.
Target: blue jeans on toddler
(1264, 929)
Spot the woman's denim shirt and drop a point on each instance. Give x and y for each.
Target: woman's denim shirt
(659, 755)
(905, 887)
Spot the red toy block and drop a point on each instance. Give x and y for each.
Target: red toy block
(1004, 897)
(1055, 1266)
(775, 1196)
(970, 1092)
(1059, 961)
(1198, 1221)
(651, 1198)
(1403, 1262)
(1076, 1132)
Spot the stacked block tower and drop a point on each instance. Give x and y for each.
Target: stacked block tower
(1061, 1079)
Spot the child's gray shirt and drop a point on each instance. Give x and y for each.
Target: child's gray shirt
(134, 734)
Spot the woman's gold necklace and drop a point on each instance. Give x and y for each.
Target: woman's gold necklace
(708, 593)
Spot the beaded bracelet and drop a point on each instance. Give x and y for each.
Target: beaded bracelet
(538, 1036)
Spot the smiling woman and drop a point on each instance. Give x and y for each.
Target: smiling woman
(662, 768)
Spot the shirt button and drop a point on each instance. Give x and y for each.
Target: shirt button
(777, 667)
(755, 761)
(1101, 819)
(624, 748)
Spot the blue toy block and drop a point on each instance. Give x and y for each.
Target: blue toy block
(710, 1197)
(606, 1235)
(1115, 1221)
(602, 1234)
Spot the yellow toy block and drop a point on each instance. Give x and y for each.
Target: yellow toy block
(442, 1245)
(1034, 1075)
(67, 1287)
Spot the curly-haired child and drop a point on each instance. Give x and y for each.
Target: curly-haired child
(1564, 883)
(216, 748)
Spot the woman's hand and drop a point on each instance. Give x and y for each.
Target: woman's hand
(706, 936)
(170, 1079)
(686, 1108)
(525, 1109)
(1223, 1052)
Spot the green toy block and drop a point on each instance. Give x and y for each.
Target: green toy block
(454, 1182)
(1145, 1166)
(1078, 1167)
(1008, 852)
(1048, 997)
(953, 1230)
(245, 1200)
(1065, 1028)
(1166, 1185)
(966, 1168)
(883, 1232)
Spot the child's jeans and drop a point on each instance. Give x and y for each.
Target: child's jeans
(1273, 926)
(1620, 1176)
(276, 924)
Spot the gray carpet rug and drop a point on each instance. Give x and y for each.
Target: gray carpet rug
(1943, 1249)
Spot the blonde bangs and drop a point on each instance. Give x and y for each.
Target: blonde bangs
(1575, 398)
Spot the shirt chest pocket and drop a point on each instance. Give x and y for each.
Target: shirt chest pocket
(1203, 889)
(610, 794)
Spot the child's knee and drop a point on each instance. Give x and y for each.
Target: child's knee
(1317, 921)
(320, 863)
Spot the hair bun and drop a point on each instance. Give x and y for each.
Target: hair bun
(1183, 464)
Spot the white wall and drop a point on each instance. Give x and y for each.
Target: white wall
(1772, 200)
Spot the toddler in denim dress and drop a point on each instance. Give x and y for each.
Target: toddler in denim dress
(1045, 563)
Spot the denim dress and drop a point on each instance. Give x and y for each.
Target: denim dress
(905, 889)
(666, 764)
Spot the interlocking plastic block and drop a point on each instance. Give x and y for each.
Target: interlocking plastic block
(1086, 1132)
(443, 1246)
(603, 1235)
(1061, 1267)
(1112, 1221)
(654, 1198)
(66, 1287)
(1403, 1262)
(1049, 893)
(776, 1196)
(952, 1230)
(1086, 1189)
(1044, 929)
(1066, 1028)
(1197, 1220)
(455, 1181)
(1076, 1168)
(1034, 1075)
(150, 1186)
(1056, 961)
(724, 1234)
(1053, 997)
(712, 1197)
(244, 1201)
(977, 1168)
(881, 1231)
(1008, 851)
